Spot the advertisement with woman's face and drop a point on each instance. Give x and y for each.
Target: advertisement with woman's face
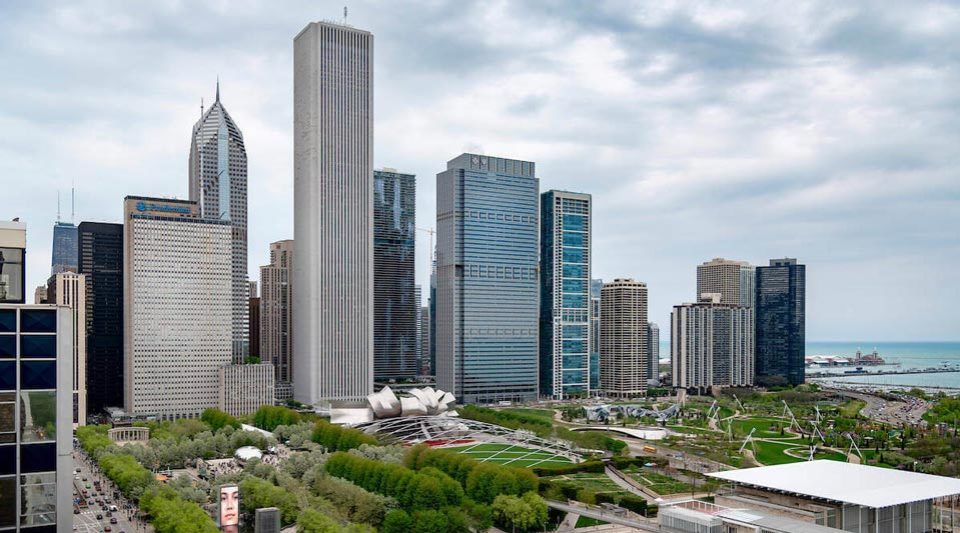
(229, 507)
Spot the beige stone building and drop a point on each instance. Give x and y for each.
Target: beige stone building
(623, 338)
(732, 280)
(69, 289)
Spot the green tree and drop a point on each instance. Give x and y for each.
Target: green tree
(397, 521)
(217, 419)
(313, 521)
(521, 513)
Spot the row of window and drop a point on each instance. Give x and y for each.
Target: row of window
(31, 321)
(31, 346)
(34, 375)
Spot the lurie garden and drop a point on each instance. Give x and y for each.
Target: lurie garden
(324, 477)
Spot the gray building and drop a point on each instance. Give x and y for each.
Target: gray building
(333, 213)
(395, 301)
(245, 388)
(13, 252)
(781, 322)
(732, 280)
(711, 345)
(623, 339)
(276, 311)
(178, 303)
(565, 294)
(653, 354)
(218, 183)
(487, 281)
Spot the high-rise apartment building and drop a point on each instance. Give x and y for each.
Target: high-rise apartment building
(13, 251)
(333, 213)
(68, 289)
(276, 311)
(653, 354)
(179, 302)
(253, 323)
(218, 183)
(596, 288)
(394, 300)
(780, 322)
(101, 262)
(432, 304)
(730, 279)
(748, 277)
(36, 369)
(64, 256)
(711, 345)
(565, 294)
(425, 328)
(487, 281)
(623, 338)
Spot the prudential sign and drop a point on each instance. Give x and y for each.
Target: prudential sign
(144, 206)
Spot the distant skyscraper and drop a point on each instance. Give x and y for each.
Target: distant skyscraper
(218, 183)
(565, 238)
(101, 261)
(711, 345)
(623, 338)
(653, 353)
(487, 282)
(69, 289)
(395, 304)
(596, 288)
(418, 297)
(432, 304)
(726, 278)
(64, 258)
(748, 276)
(245, 388)
(425, 328)
(780, 322)
(40, 295)
(276, 311)
(333, 213)
(177, 317)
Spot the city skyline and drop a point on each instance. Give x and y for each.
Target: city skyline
(839, 185)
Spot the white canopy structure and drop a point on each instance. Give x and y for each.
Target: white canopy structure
(385, 404)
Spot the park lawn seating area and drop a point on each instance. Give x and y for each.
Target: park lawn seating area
(510, 455)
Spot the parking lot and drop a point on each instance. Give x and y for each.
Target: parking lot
(87, 521)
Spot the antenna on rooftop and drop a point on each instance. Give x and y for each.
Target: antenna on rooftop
(73, 203)
(344, 14)
(58, 205)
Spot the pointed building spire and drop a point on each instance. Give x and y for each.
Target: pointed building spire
(218, 88)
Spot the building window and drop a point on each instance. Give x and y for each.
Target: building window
(38, 321)
(38, 375)
(41, 425)
(8, 346)
(8, 320)
(41, 346)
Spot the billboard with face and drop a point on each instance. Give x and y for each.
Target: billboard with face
(229, 507)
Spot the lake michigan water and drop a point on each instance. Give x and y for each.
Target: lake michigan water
(908, 354)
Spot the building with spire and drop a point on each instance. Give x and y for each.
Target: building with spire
(218, 183)
(64, 256)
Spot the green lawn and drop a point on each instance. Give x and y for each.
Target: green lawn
(510, 455)
(657, 482)
(766, 427)
(773, 453)
(586, 521)
(597, 482)
(546, 414)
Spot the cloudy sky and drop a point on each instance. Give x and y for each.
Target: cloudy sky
(822, 131)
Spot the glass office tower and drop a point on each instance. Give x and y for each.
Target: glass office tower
(395, 302)
(64, 255)
(487, 282)
(565, 294)
(780, 322)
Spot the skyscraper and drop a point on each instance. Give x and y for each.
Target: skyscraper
(596, 288)
(780, 322)
(565, 294)
(218, 183)
(653, 353)
(64, 256)
(177, 317)
(730, 279)
(623, 338)
(333, 213)
(69, 289)
(711, 345)
(276, 312)
(101, 261)
(253, 312)
(432, 304)
(425, 328)
(395, 303)
(487, 282)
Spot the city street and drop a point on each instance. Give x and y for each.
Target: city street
(87, 521)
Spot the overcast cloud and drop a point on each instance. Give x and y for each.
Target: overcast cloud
(825, 131)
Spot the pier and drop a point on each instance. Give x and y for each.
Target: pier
(947, 370)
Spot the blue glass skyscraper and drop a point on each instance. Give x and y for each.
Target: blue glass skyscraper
(565, 295)
(64, 257)
(780, 322)
(487, 282)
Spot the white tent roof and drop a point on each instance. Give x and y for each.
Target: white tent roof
(867, 486)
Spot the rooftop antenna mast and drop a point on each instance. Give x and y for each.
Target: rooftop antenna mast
(73, 203)
(58, 205)
(344, 14)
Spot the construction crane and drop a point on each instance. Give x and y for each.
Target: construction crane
(432, 232)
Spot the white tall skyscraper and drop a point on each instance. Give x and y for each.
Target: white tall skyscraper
(333, 213)
(218, 182)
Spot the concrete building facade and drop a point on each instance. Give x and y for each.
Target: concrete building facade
(730, 279)
(13, 254)
(711, 345)
(68, 289)
(333, 213)
(178, 312)
(487, 317)
(276, 311)
(245, 388)
(623, 339)
(653, 354)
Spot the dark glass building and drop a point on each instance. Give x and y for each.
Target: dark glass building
(64, 256)
(780, 323)
(101, 259)
(395, 303)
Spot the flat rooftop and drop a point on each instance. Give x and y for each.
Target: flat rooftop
(867, 486)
